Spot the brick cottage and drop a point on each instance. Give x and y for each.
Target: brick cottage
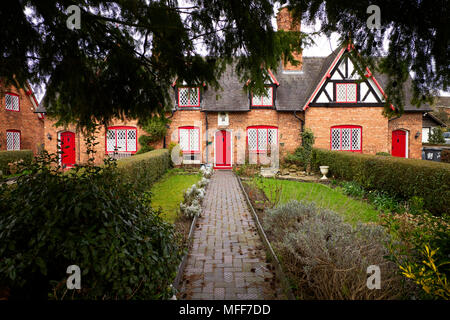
(342, 107)
(20, 127)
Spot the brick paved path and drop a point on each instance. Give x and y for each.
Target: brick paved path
(227, 258)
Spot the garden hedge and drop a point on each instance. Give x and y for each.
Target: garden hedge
(142, 170)
(92, 218)
(12, 156)
(401, 178)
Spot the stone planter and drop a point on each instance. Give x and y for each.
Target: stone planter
(324, 171)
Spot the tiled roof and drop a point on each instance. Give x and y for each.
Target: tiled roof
(294, 91)
(408, 107)
(442, 102)
(295, 86)
(232, 97)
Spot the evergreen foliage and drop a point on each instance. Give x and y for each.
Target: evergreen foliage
(124, 58)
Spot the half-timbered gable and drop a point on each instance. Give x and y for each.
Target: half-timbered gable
(346, 83)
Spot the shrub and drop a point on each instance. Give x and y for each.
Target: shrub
(420, 247)
(415, 205)
(326, 258)
(206, 171)
(7, 157)
(353, 189)
(193, 197)
(144, 169)
(384, 202)
(156, 127)
(445, 156)
(302, 155)
(247, 170)
(385, 154)
(428, 275)
(88, 217)
(397, 177)
(436, 136)
(145, 141)
(171, 146)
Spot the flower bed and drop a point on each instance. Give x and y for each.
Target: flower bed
(193, 197)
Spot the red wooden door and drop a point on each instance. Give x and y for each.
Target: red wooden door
(399, 143)
(223, 148)
(67, 149)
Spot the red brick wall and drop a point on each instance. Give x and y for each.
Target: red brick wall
(26, 121)
(377, 130)
(284, 22)
(374, 125)
(51, 145)
(411, 122)
(288, 129)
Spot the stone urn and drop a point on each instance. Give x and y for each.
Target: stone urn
(324, 171)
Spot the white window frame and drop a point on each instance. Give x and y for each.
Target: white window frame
(189, 104)
(346, 92)
(258, 101)
(15, 134)
(192, 152)
(13, 96)
(115, 129)
(351, 128)
(266, 147)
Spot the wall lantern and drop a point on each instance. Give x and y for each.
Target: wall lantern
(417, 134)
(49, 136)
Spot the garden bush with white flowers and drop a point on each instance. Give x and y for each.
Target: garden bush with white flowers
(193, 197)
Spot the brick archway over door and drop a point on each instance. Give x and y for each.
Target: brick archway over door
(400, 143)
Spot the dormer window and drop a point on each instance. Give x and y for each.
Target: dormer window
(263, 100)
(189, 97)
(346, 92)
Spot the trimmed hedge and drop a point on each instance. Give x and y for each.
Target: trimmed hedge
(401, 178)
(12, 156)
(144, 169)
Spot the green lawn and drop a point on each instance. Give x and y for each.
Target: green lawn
(168, 192)
(324, 196)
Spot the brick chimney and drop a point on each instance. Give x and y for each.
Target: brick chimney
(284, 22)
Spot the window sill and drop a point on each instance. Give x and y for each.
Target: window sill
(191, 161)
(360, 151)
(261, 152)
